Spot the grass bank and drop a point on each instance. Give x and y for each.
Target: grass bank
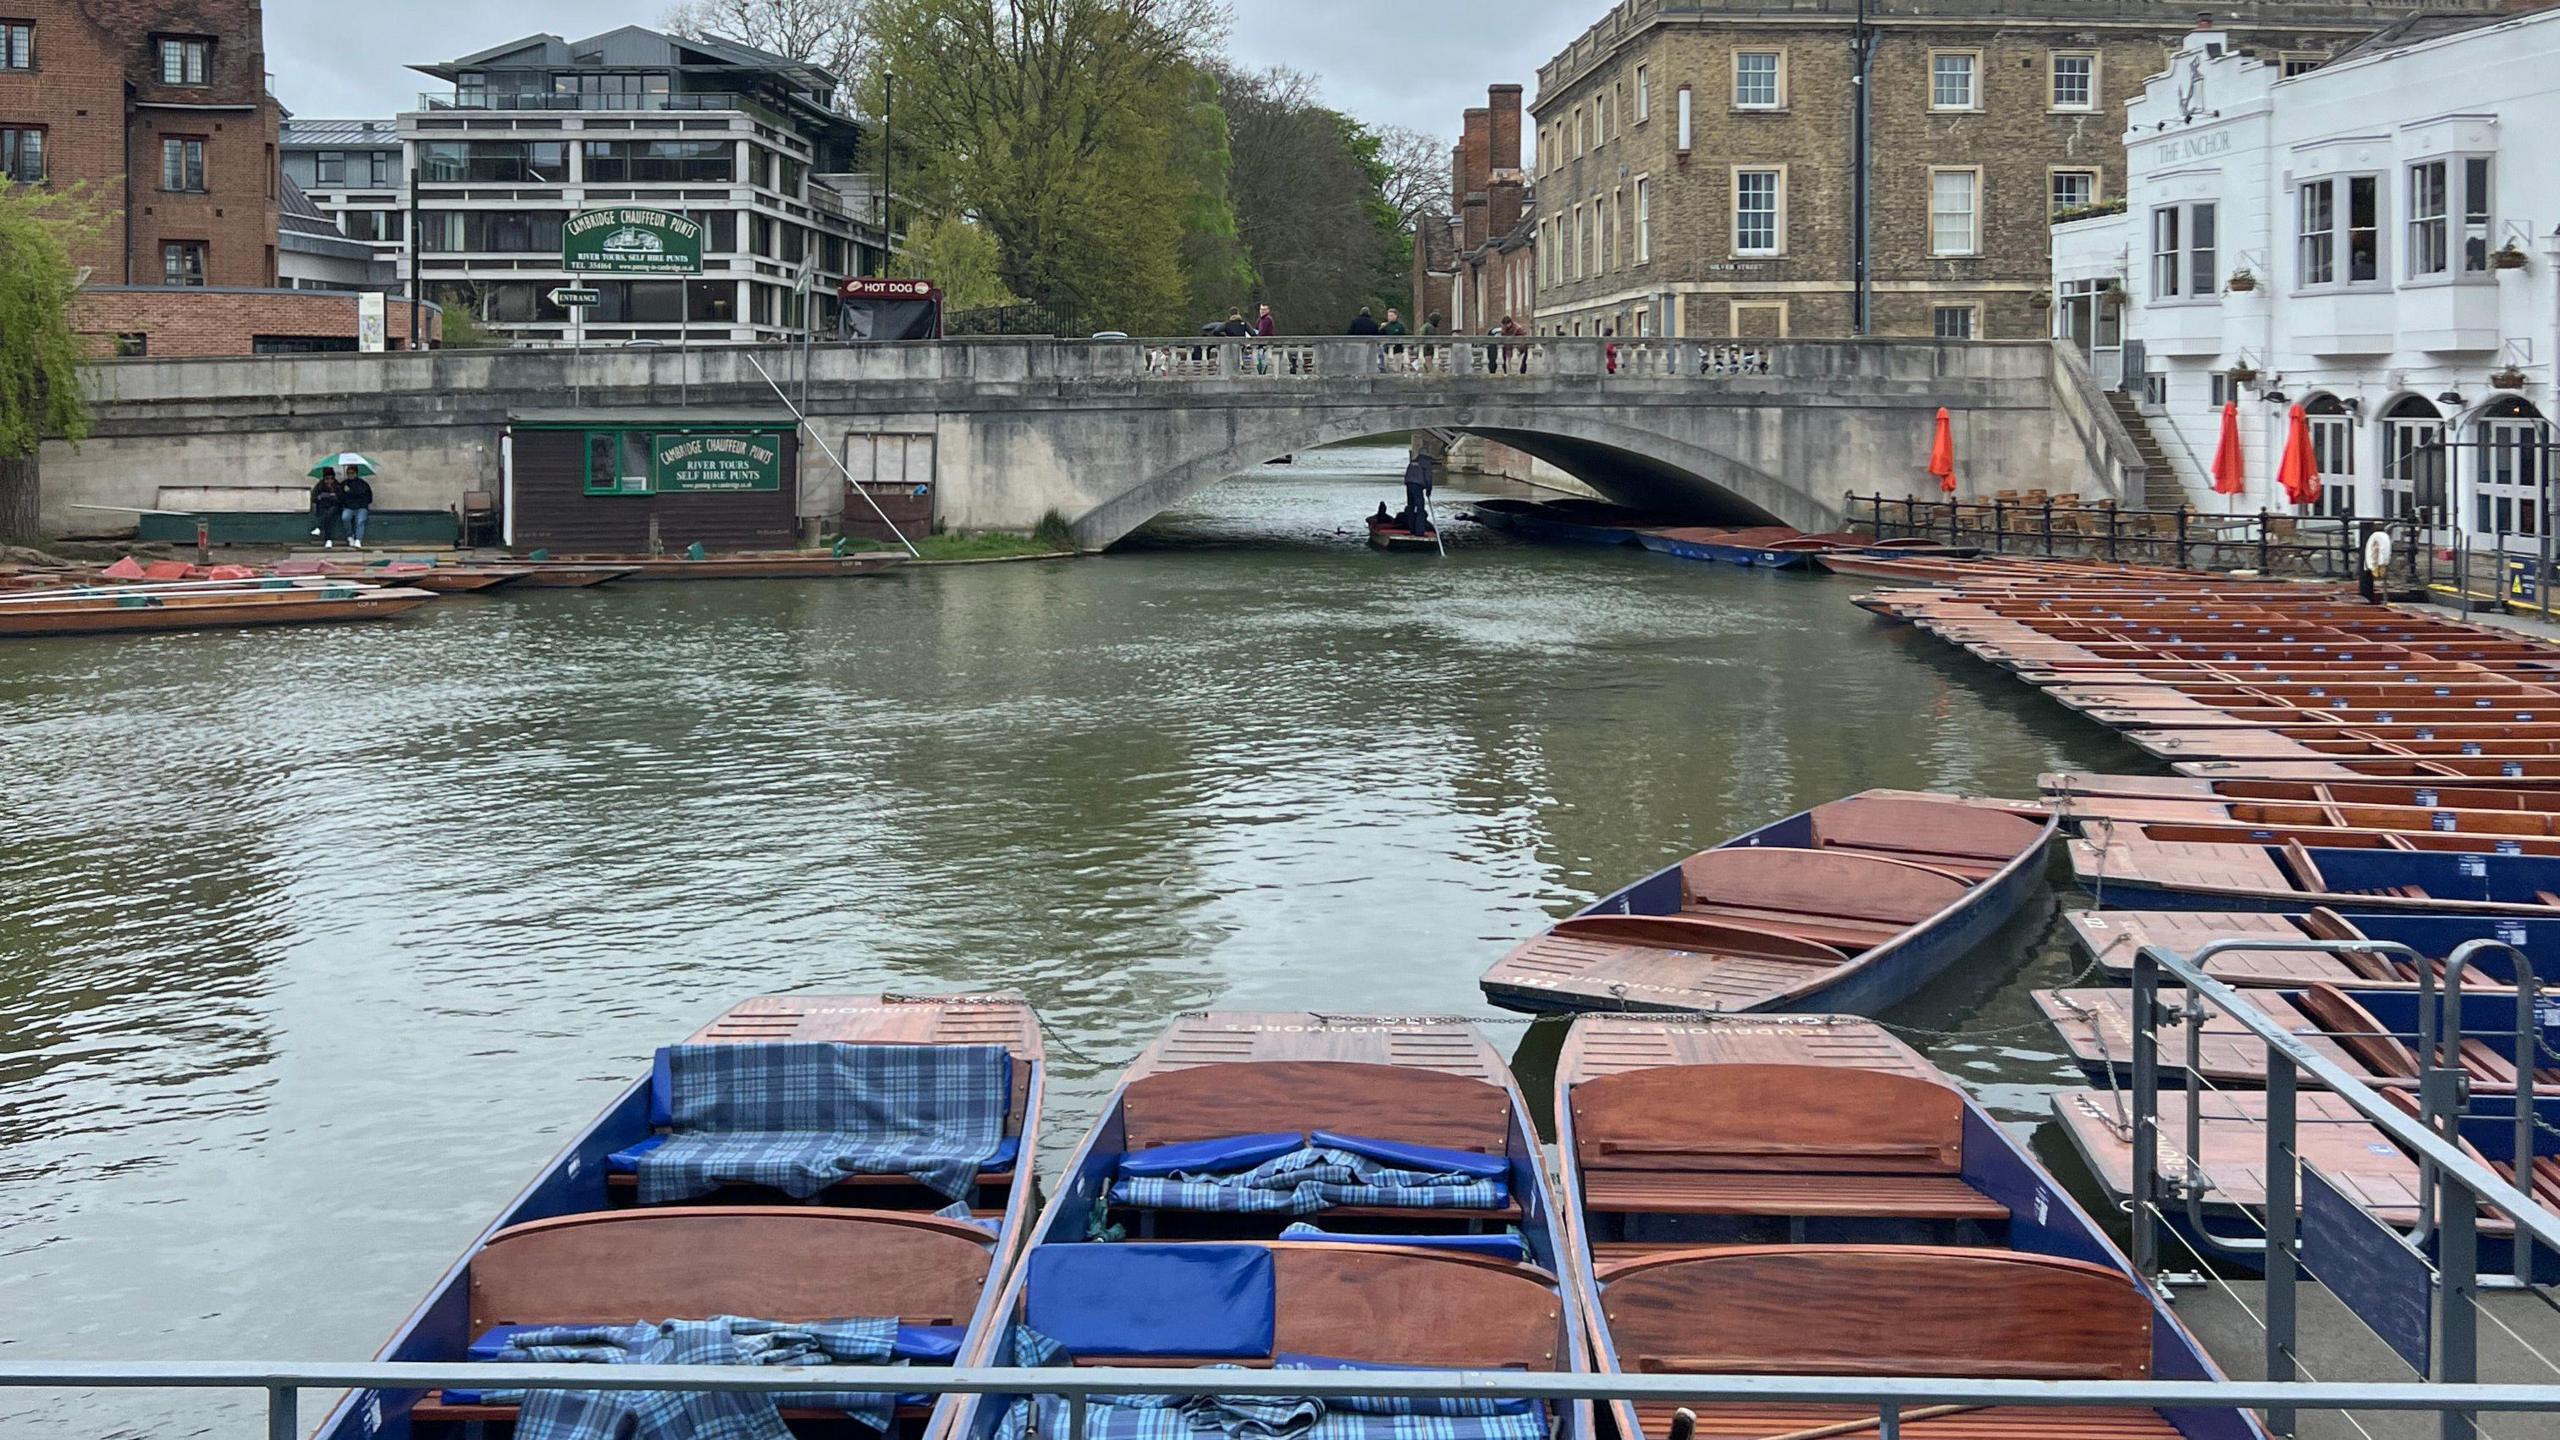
(993, 545)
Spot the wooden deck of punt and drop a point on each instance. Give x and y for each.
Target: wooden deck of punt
(208, 610)
(2096, 1027)
(2544, 774)
(2224, 875)
(2111, 937)
(746, 567)
(552, 575)
(2258, 747)
(2333, 837)
(2072, 787)
(1793, 924)
(2231, 1149)
(2450, 815)
(1755, 1422)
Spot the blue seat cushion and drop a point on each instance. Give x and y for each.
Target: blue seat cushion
(1513, 1406)
(1426, 1158)
(1499, 1247)
(1213, 1301)
(1211, 1157)
(916, 1345)
(626, 1161)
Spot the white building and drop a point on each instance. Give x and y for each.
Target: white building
(749, 143)
(2373, 239)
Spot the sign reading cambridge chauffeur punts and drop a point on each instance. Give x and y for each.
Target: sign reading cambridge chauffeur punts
(625, 240)
(693, 463)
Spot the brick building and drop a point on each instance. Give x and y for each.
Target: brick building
(1698, 160)
(1475, 267)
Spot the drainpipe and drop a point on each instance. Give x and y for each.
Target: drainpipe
(129, 112)
(1862, 45)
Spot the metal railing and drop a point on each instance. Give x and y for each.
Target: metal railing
(1891, 1397)
(2454, 1184)
(2269, 542)
(548, 101)
(1212, 357)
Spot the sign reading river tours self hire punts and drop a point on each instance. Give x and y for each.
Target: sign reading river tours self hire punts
(691, 463)
(630, 240)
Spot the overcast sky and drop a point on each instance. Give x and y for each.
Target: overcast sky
(1389, 62)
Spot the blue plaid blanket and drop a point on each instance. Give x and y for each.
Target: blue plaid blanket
(1262, 1417)
(1307, 1180)
(693, 1415)
(799, 1117)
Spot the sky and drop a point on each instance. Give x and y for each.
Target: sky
(1415, 63)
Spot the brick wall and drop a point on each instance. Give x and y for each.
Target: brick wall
(192, 323)
(87, 53)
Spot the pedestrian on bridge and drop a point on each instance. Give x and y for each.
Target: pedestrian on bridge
(1363, 323)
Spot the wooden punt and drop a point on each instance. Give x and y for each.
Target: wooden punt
(2523, 773)
(1582, 522)
(2129, 871)
(1849, 907)
(2072, 787)
(2262, 819)
(559, 575)
(574, 1247)
(463, 579)
(2320, 833)
(1382, 1285)
(1387, 535)
(815, 566)
(1770, 547)
(2111, 938)
(1499, 514)
(84, 612)
(1811, 1197)
(2369, 1031)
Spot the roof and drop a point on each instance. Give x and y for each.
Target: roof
(2420, 28)
(298, 215)
(340, 134)
(634, 46)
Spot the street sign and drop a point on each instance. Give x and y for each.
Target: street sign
(628, 240)
(570, 298)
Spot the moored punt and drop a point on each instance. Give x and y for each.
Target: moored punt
(1331, 1192)
(777, 566)
(110, 611)
(864, 1160)
(2071, 787)
(465, 579)
(570, 575)
(2448, 816)
(1813, 1198)
(1771, 547)
(2130, 872)
(2112, 937)
(1849, 906)
(1499, 514)
(2470, 738)
(2322, 833)
(2368, 1031)
(1582, 522)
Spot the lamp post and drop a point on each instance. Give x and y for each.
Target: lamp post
(888, 159)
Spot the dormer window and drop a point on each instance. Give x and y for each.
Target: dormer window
(183, 61)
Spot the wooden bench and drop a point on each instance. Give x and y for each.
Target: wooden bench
(1965, 840)
(1793, 1141)
(1757, 1422)
(638, 1267)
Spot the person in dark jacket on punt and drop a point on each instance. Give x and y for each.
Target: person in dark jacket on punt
(1417, 494)
(355, 505)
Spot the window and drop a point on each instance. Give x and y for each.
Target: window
(519, 232)
(1757, 222)
(2428, 217)
(22, 155)
(374, 224)
(2475, 215)
(1581, 131)
(329, 168)
(2075, 80)
(659, 161)
(2182, 252)
(2512, 457)
(2074, 190)
(2413, 460)
(2333, 450)
(182, 62)
(182, 262)
(1953, 322)
(1644, 94)
(1644, 219)
(132, 344)
(1757, 80)
(378, 170)
(1952, 80)
(1954, 212)
(508, 162)
(1599, 122)
(17, 45)
(182, 163)
(2299, 63)
(610, 92)
(2338, 215)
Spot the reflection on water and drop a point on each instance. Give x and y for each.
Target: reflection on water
(313, 945)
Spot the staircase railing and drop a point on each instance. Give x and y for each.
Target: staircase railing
(2108, 446)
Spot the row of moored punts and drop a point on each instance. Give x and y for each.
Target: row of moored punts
(847, 1182)
(2345, 774)
(1769, 547)
(133, 597)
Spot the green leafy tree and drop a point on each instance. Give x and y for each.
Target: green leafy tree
(40, 355)
(1058, 125)
(959, 257)
(1310, 187)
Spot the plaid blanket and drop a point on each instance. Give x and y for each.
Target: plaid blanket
(1306, 1181)
(1262, 1417)
(799, 1117)
(694, 1415)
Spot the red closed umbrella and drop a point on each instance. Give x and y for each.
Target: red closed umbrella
(2299, 473)
(1942, 453)
(2230, 462)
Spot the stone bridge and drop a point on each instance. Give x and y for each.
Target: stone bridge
(1108, 433)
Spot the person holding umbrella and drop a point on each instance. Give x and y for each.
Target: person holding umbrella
(343, 496)
(355, 504)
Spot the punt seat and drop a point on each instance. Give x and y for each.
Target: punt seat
(1853, 901)
(783, 1262)
(1782, 1141)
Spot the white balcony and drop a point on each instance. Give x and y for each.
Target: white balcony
(2183, 330)
(2355, 322)
(2452, 319)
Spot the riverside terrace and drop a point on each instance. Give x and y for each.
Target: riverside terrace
(1108, 433)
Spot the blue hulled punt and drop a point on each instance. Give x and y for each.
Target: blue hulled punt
(2370, 1032)
(1768, 547)
(1812, 1197)
(1298, 1190)
(1575, 521)
(802, 1159)
(1847, 908)
(2129, 871)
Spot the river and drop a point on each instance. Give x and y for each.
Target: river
(314, 945)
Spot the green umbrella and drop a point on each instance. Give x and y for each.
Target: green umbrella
(341, 461)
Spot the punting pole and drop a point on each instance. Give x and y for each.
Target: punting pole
(847, 470)
(108, 590)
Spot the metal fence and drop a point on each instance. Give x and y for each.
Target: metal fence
(2271, 543)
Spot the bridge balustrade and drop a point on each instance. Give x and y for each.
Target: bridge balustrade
(1527, 356)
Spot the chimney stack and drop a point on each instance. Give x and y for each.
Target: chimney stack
(1504, 103)
(1475, 175)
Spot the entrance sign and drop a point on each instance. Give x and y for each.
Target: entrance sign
(628, 240)
(569, 298)
(685, 464)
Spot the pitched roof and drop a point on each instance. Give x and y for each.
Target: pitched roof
(296, 212)
(2419, 28)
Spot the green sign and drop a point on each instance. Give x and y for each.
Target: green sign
(626, 240)
(693, 463)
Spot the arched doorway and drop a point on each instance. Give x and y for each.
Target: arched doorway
(2333, 447)
(2511, 503)
(2413, 459)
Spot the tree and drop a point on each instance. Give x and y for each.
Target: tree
(40, 354)
(833, 35)
(1417, 175)
(1055, 125)
(1308, 185)
(959, 257)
